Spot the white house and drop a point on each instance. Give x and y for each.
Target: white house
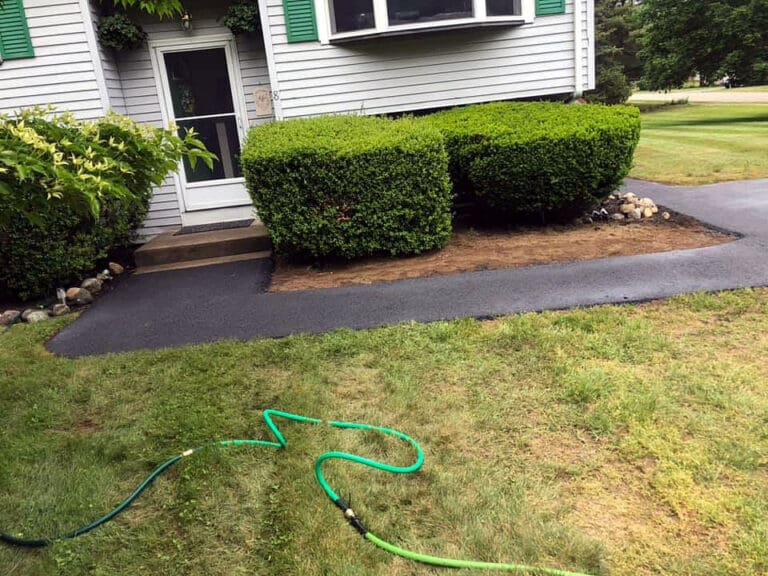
(314, 57)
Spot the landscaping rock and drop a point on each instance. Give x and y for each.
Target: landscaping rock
(630, 197)
(666, 215)
(59, 309)
(654, 209)
(627, 208)
(93, 285)
(36, 316)
(71, 293)
(646, 203)
(9, 317)
(115, 269)
(104, 276)
(636, 214)
(647, 212)
(81, 297)
(617, 216)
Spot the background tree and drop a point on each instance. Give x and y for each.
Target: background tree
(616, 29)
(713, 38)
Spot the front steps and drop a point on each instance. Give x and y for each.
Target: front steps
(174, 251)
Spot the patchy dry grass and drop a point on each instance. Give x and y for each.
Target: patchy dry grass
(615, 440)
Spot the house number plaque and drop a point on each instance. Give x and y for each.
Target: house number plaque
(263, 98)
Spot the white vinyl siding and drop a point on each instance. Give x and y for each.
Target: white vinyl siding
(62, 72)
(430, 70)
(109, 66)
(142, 99)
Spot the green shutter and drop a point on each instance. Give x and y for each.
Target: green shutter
(547, 7)
(300, 23)
(14, 33)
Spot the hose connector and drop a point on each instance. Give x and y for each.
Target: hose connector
(351, 517)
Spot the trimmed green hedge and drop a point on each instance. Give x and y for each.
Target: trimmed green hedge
(536, 158)
(350, 186)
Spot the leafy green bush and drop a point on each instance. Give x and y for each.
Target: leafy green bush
(536, 158)
(160, 8)
(70, 191)
(349, 185)
(612, 87)
(60, 247)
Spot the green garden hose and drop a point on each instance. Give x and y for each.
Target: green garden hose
(354, 521)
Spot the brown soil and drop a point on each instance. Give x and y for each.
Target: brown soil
(471, 250)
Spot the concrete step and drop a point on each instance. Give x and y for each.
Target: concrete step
(174, 248)
(203, 262)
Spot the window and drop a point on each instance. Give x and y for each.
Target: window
(341, 20)
(351, 15)
(504, 7)
(409, 11)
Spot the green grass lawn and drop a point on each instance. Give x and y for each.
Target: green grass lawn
(750, 89)
(703, 143)
(681, 91)
(614, 440)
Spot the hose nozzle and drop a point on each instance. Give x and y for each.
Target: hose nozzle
(351, 517)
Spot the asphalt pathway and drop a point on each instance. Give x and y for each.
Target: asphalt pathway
(228, 301)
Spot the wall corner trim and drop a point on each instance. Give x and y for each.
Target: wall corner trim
(271, 63)
(93, 48)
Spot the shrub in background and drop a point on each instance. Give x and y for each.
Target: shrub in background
(538, 159)
(70, 191)
(350, 186)
(612, 87)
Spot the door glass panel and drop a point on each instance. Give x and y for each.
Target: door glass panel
(219, 135)
(199, 82)
(201, 95)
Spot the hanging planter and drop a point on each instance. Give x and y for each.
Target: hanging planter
(242, 17)
(120, 33)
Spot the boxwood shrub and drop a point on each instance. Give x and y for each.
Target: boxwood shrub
(350, 186)
(537, 158)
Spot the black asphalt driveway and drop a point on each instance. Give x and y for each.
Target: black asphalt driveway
(228, 301)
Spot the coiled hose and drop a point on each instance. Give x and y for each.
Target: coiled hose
(354, 521)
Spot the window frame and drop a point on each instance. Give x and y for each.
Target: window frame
(383, 28)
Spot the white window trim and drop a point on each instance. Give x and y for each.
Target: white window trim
(326, 36)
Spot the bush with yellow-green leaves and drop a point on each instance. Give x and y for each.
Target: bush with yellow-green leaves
(71, 191)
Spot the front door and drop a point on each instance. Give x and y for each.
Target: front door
(202, 91)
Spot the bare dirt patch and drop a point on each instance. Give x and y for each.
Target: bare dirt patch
(613, 501)
(474, 249)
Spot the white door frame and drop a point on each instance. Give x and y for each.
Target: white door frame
(157, 48)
